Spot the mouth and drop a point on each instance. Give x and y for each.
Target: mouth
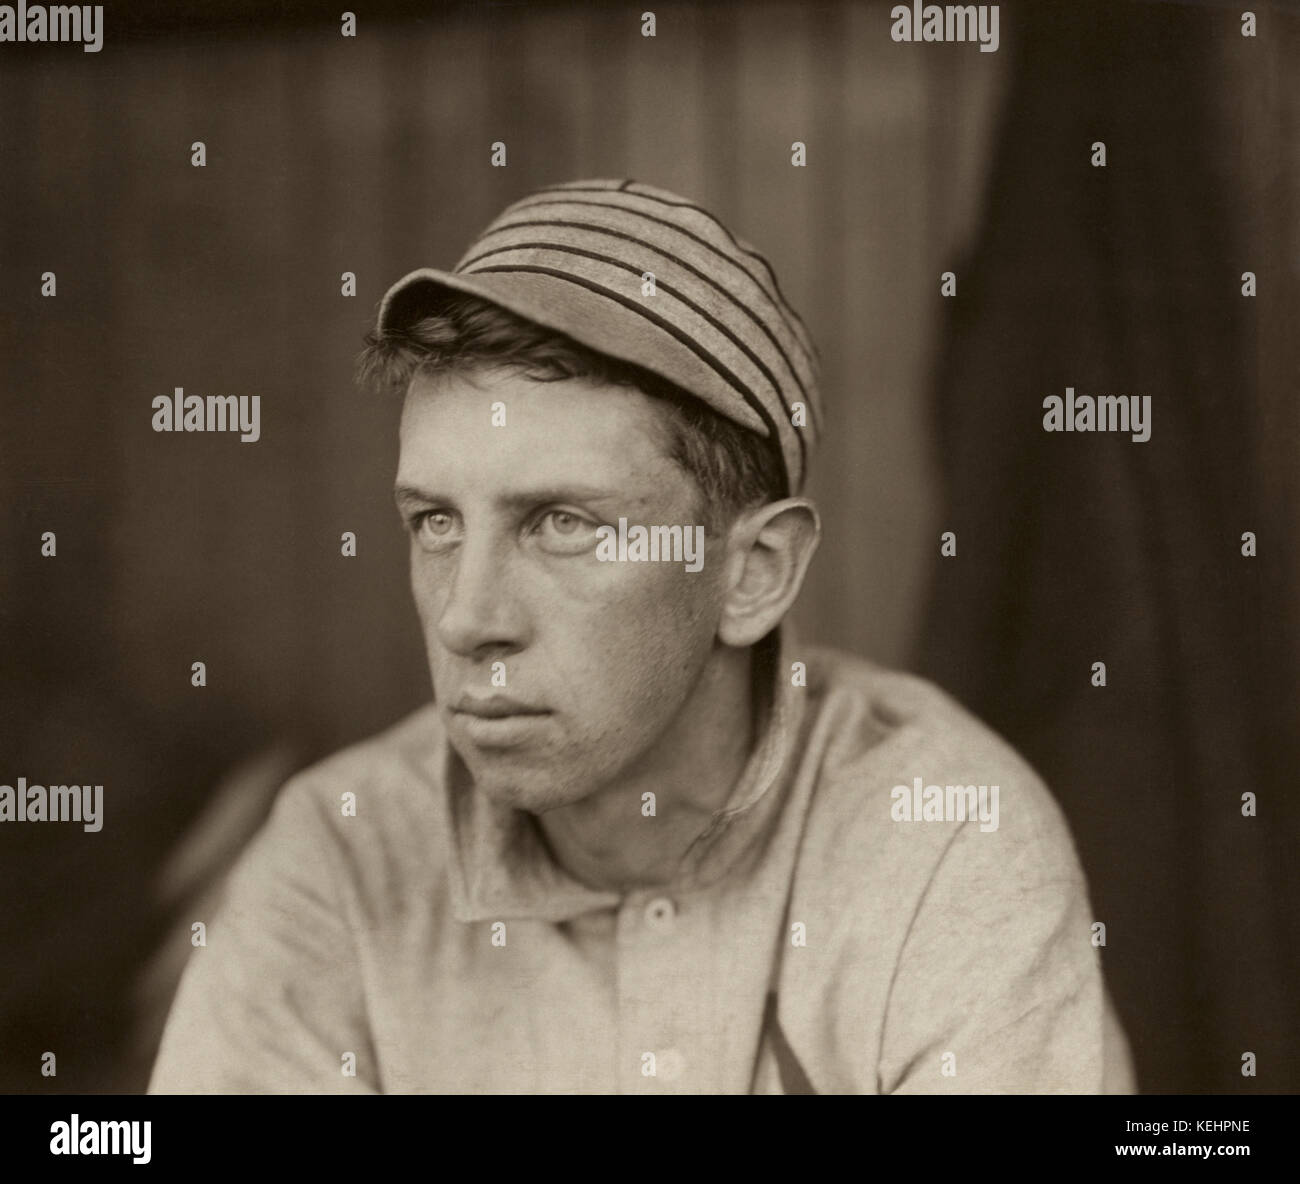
(497, 721)
(494, 707)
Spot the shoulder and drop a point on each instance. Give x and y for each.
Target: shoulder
(372, 813)
(399, 763)
(909, 776)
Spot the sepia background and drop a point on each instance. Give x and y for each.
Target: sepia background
(372, 155)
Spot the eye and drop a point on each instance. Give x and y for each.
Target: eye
(564, 522)
(564, 532)
(434, 527)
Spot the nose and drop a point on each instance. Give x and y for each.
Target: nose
(481, 612)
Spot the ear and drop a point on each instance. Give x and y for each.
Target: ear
(768, 552)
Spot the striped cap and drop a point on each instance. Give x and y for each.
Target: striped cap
(573, 258)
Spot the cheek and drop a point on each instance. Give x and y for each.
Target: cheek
(642, 645)
(428, 590)
(422, 591)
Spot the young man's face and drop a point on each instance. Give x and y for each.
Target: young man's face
(600, 659)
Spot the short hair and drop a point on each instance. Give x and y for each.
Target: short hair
(734, 468)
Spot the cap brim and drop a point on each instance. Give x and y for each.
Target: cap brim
(624, 331)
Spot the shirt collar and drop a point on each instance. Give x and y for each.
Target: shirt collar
(502, 868)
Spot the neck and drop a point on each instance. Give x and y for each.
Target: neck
(609, 841)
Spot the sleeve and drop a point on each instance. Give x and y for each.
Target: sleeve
(999, 988)
(274, 1002)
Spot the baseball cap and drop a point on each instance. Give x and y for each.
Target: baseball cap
(647, 277)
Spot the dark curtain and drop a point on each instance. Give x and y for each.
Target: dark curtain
(1081, 548)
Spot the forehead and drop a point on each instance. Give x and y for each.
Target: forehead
(472, 427)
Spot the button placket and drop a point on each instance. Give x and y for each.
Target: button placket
(651, 1011)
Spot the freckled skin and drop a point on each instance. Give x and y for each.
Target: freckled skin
(624, 655)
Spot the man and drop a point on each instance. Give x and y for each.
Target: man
(643, 840)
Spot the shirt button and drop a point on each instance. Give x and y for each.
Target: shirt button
(671, 1065)
(659, 914)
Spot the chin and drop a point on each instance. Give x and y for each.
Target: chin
(525, 789)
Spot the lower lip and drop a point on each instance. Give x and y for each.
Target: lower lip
(504, 731)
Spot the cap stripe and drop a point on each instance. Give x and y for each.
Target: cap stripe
(668, 327)
(664, 199)
(674, 202)
(467, 266)
(616, 213)
(771, 293)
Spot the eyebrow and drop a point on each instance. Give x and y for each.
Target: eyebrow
(407, 495)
